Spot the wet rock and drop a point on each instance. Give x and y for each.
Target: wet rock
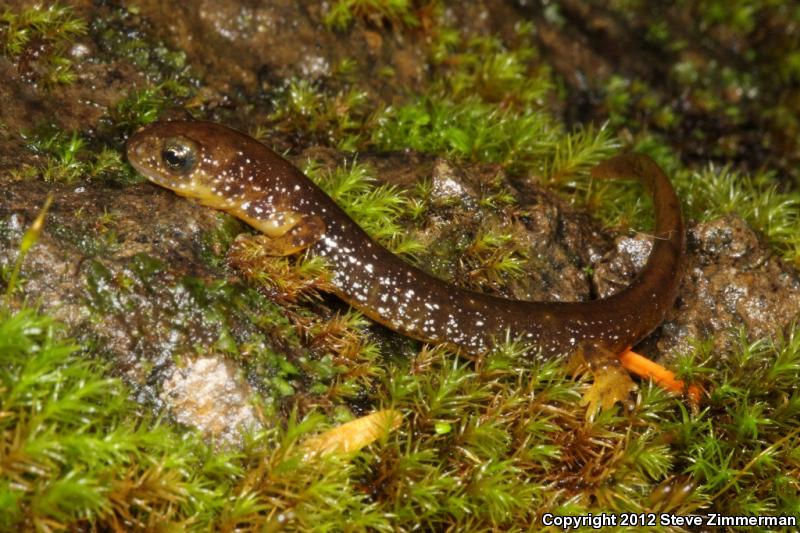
(71, 107)
(732, 282)
(702, 113)
(615, 272)
(727, 240)
(448, 186)
(551, 240)
(124, 270)
(209, 394)
(233, 41)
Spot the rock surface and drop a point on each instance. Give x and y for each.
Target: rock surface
(733, 282)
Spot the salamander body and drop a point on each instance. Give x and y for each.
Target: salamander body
(230, 171)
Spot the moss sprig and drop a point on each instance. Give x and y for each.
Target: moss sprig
(378, 209)
(707, 194)
(330, 115)
(492, 258)
(396, 13)
(69, 157)
(38, 38)
(285, 280)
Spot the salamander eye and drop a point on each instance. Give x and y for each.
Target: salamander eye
(179, 154)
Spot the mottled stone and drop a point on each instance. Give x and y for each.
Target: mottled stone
(209, 393)
(732, 282)
(448, 185)
(617, 270)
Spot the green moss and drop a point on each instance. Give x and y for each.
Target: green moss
(70, 157)
(486, 104)
(740, 16)
(490, 107)
(377, 209)
(77, 452)
(217, 242)
(394, 12)
(334, 116)
(707, 194)
(123, 35)
(41, 35)
(488, 258)
(143, 106)
(70, 452)
(743, 444)
(471, 129)
(64, 153)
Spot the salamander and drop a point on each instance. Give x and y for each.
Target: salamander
(230, 171)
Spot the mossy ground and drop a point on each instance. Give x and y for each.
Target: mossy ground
(490, 442)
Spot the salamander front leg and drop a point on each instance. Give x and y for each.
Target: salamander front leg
(302, 233)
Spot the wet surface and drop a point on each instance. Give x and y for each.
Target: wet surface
(125, 269)
(733, 284)
(257, 45)
(719, 86)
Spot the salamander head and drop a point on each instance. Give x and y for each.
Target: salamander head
(196, 159)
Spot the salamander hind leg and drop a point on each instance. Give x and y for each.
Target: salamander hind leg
(611, 382)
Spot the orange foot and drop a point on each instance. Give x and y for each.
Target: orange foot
(645, 368)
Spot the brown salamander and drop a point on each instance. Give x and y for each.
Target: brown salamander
(230, 171)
